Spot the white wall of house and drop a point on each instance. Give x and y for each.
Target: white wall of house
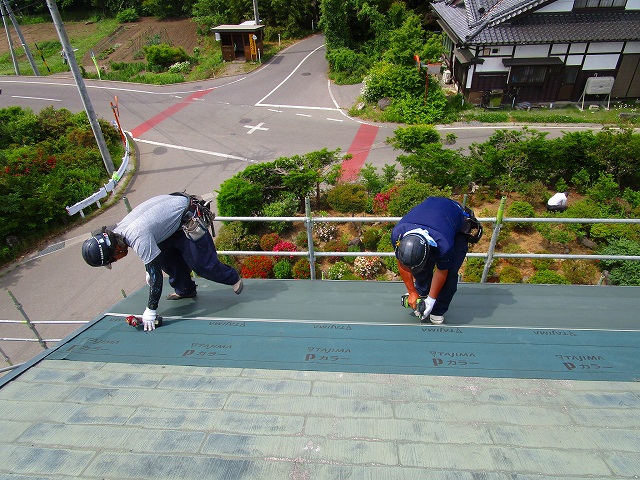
(558, 6)
(491, 65)
(632, 47)
(578, 48)
(531, 51)
(633, 5)
(559, 49)
(574, 60)
(601, 62)
(605, 47)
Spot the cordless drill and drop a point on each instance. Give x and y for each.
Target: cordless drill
(420, 305)
(137, 321)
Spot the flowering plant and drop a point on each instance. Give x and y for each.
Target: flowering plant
(339, 270)
(367, 267)
(381, 200)
(285, 246)
(257, 267)
(269, 240)
(325, 231)
(302, 269)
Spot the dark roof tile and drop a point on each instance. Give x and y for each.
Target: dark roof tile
(503, 22)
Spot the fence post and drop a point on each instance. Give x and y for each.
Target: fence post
(309, 223)
(494, 240)
(5, 356)
(42, 343)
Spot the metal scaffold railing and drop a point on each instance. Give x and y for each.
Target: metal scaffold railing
(309, 220)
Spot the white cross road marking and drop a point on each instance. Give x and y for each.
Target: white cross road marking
(253, 129)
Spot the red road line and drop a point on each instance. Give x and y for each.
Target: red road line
(359, 149)
(162, 116)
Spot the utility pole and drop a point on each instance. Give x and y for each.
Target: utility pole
(73, 64)
(255, 11)
(16, 67)
(24, 42)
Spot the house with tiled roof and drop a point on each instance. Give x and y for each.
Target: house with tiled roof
(542, 51)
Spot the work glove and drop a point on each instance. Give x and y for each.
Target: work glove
(149, 319)
(428, 306)
(148, 279)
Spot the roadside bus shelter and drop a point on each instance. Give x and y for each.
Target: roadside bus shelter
(240, 42)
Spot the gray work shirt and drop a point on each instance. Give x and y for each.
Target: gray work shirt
(150, 223)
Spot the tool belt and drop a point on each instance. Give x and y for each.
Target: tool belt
(471, 227)
(197, 217)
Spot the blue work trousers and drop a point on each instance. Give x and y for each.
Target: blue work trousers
(422, 280)
(180, 256)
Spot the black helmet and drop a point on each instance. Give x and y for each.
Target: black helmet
(413, 251)
(98, 250)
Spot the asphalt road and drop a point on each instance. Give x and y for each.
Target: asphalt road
(188, 137)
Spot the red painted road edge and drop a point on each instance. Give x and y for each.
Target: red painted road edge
(359, 149)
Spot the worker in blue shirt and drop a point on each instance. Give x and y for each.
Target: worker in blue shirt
(431, 243)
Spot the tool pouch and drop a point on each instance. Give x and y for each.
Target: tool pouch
(194, 229)
(471, 227)
(197, 217)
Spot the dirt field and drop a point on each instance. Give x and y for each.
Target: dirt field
(125, 42)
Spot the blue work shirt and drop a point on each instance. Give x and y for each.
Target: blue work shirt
(442, 218)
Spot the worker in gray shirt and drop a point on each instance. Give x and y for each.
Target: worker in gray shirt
(169, 233)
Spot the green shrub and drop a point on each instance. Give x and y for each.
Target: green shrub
(414, 137)
(347, 66)
(579, 272)
(514, 248)
(604, 189)
(510, 274)
(394, 81)
(519, 209)
(238, 197)
(338, 270)
(162, 56)
(581, 180)
(128, 15)
(556, 233)
(410, 194)
(230, 236)
(302, 269)
(373, 182)
(354, 249)
(632, 196)
(348, 198)
(286, 206)
(283, 269)
(542, 263)
(158, 78)
(535, 192)
(302, 240)
(337, 245)
(547, 277)
(384, 245)
(249, 242)
(371, 237)
(473, 269)
(607, 232)
(622, 272)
